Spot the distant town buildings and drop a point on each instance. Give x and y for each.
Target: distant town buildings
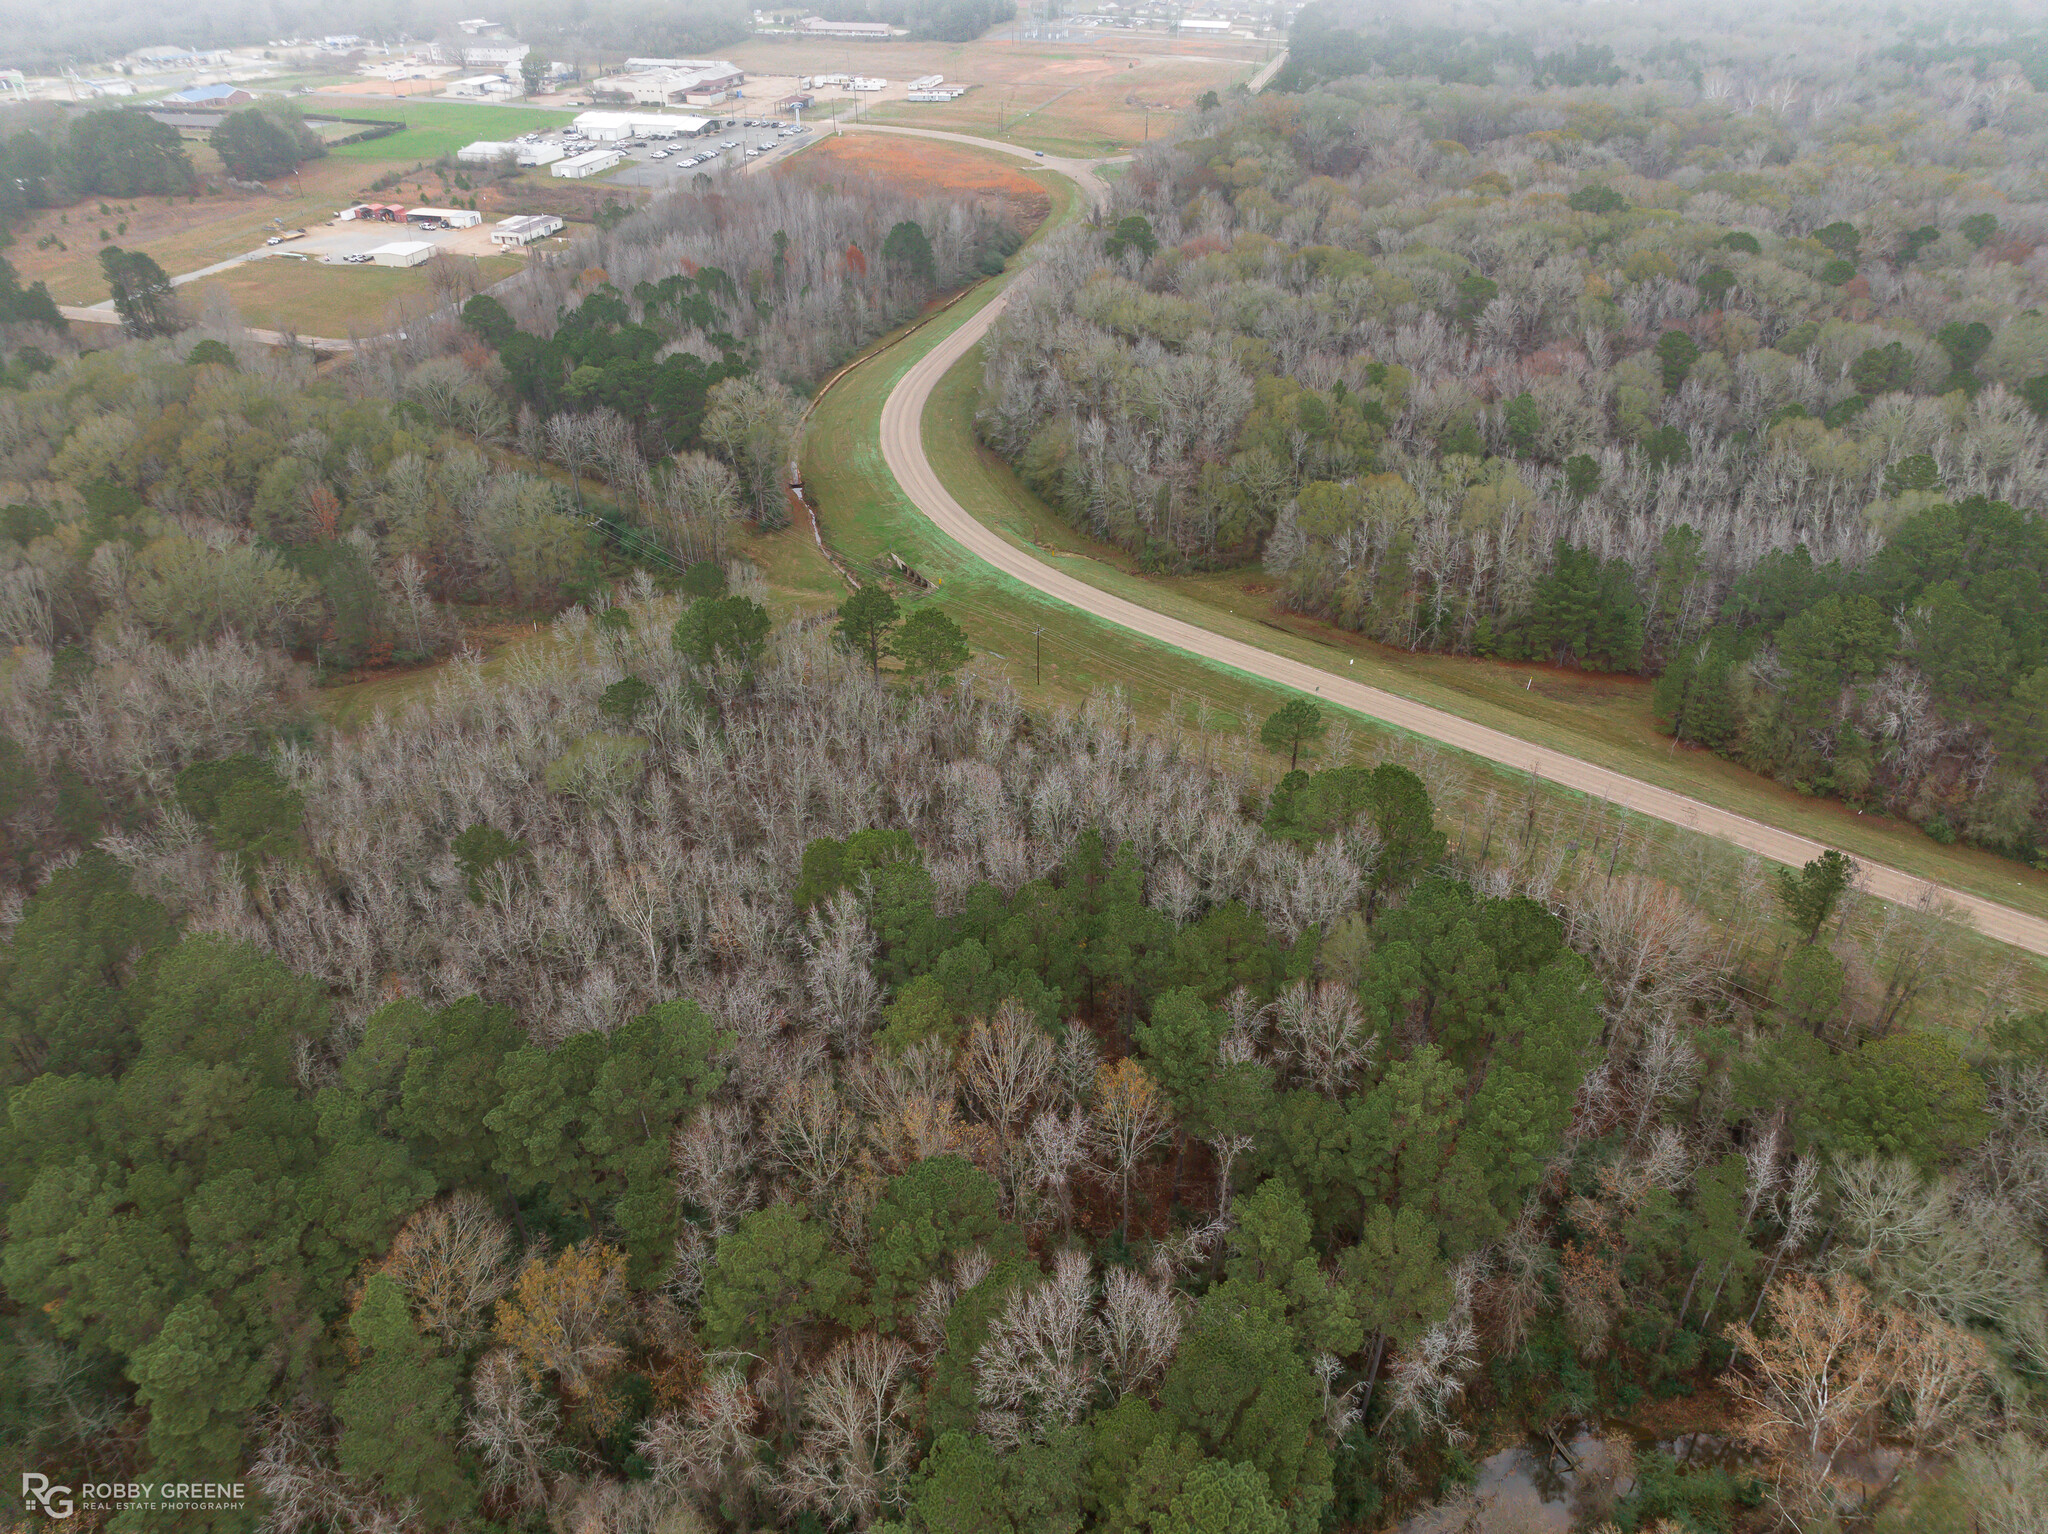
(482, 85)
(934, 88)
(402, 253)
(852, 31)
(176, 58)
(614, 127)
(501, 55)
(397, 213)
(448, 218)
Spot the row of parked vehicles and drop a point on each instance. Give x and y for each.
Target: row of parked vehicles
(686, 158)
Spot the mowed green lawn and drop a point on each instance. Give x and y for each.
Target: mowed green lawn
(437, 128)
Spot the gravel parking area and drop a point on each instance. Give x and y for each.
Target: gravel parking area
(329, 242)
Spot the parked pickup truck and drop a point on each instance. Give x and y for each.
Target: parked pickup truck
(289, 234)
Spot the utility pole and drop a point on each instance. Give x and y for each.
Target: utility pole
(1038, 656)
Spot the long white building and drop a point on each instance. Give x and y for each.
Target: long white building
(403, 253)
(525, 228)
(611, 127)
(592, 162)
(492, 151)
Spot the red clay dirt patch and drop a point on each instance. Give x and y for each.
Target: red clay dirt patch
(920, 167)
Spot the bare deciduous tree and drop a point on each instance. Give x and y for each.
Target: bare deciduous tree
(713, 1157)
(1127, 1119)
(1137, 1331)
(858, 1438)
(1008, 1063)
(1035, 1369)
(1810, 1384)
(839, 951)
(710, 1447)
(1322, 1033)
(452, 1260)
(511, 1426)
(813, 1137)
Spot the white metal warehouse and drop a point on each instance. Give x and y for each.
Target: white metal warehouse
(525, 228)
(492, 152)
(454, 218)
(591, 162)
(611, 127)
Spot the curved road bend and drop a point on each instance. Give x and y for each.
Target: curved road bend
(903, 451)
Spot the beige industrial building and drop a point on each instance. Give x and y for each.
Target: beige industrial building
(499, 55)
(852, 31)
(402, 253)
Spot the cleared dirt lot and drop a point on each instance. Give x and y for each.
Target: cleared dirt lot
(329, 242)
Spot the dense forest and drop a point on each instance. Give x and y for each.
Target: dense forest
(693, 1082)
(701, 1075)
(1488, 347)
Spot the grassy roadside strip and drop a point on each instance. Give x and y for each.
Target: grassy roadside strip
(1057, 657)
(1603, 720)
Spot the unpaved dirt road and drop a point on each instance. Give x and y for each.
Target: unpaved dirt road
(903, 451)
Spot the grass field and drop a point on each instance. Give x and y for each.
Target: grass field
(319, 300)
(1093, 106)
(182, 234)
(185, 234)
(434, 128)
(1057, 657)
